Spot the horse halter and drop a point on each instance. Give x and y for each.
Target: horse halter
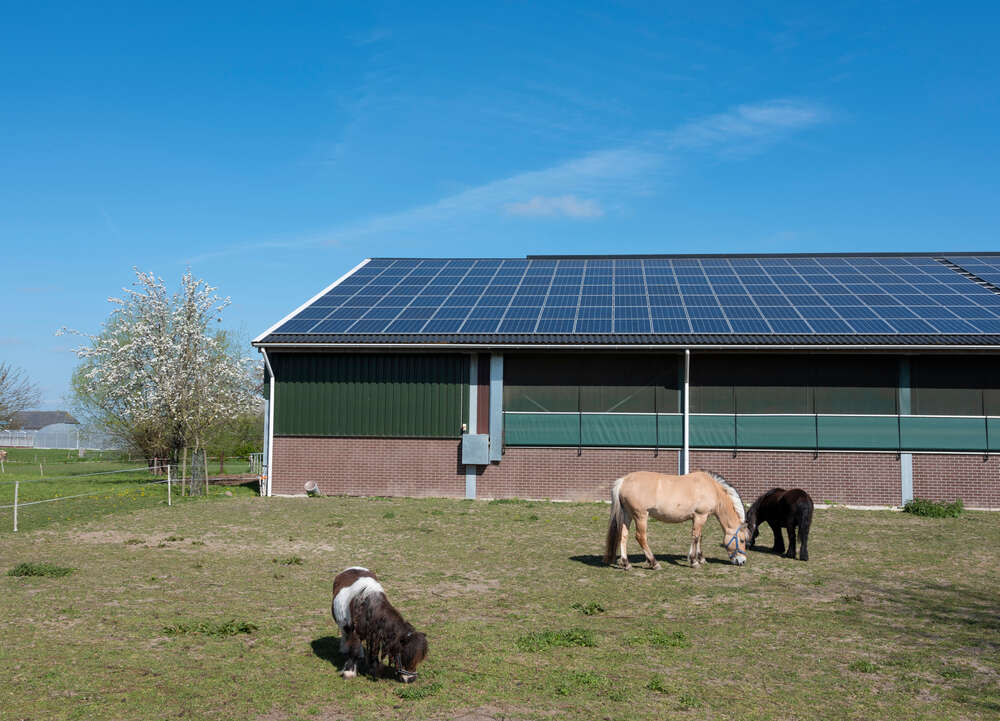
(736, 538)
(405, 675)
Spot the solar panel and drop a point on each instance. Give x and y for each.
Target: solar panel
(985, 267)
(834, 295)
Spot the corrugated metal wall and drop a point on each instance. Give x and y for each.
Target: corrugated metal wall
(388, 395)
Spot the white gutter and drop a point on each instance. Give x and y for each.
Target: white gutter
(312, 300)
(270, 423)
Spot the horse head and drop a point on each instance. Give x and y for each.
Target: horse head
(413, 650)
(736, 544)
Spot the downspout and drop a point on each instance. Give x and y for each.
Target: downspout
(470, 470)
(268, 462)
(686, 450)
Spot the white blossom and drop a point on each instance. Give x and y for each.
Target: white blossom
(157, 362)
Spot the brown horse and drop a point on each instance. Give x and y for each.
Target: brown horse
(779, 508)
(673, 499)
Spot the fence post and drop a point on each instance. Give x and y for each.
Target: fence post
(169, 501)
(16, 486)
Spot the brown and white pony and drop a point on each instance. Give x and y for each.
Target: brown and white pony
(370, 626)
(673, 499)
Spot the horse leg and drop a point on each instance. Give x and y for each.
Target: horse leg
(701, 525)
(791, 539)
(354, 654)
(622, 549)
(640, 535)
(779, 540)
(695, 556)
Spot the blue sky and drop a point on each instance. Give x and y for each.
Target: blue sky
(271, 147)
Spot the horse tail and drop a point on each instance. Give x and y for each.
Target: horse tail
(805, 513)
(619, 518)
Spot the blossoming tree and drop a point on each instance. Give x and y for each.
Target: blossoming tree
(157, 375)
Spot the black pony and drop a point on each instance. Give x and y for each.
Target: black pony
(782, 509)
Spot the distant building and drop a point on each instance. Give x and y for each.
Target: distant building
(865, 378)
(36, 420)
(52, 429)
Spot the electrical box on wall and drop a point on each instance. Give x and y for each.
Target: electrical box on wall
(475, 449)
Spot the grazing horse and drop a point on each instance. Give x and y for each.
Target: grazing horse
(370, 625)
(783, 509)
(673, 499)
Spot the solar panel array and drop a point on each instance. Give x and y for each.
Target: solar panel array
(986, 267)
(766, 295)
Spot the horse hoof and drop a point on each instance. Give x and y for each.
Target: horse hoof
(655, 567)
(348, 674)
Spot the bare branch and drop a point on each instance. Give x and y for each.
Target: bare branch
(17, 393)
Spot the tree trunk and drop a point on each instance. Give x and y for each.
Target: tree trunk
(184, 468)
(199, 471)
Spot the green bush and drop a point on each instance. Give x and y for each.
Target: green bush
(934, 509)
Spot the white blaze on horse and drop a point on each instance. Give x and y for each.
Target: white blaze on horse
(370, 626)
(674, 499)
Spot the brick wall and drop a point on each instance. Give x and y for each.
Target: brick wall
(368, 466)
(862, 479)
(412, 467)
(560, 474)
(945, 477)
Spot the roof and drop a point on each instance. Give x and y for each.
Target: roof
(829, 299)
(35, 420)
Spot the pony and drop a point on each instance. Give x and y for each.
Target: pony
(783, 509)
(673, 499)
(370, 626)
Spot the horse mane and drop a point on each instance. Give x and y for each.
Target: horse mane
(385, 634)
(755, 506)
(737, 501)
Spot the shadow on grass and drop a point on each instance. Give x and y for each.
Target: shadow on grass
(328, 649)
(638, 560)
(945, 609)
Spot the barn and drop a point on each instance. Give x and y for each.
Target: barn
(867, 379)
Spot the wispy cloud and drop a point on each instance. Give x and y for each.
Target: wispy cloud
(606, 171)
(745, 126)
(568, 206)
(581, 187)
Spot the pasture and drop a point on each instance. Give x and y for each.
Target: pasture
(76, 489)
(220, 610)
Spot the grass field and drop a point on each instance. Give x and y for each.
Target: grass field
(220, 610)
(98, 484)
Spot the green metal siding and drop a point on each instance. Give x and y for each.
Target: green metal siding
(541, 429)
(876, 433)
(944, 434)
(598, 429)
(859, 432)
(388, 395)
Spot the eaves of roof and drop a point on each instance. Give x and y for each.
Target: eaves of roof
(635, 341)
